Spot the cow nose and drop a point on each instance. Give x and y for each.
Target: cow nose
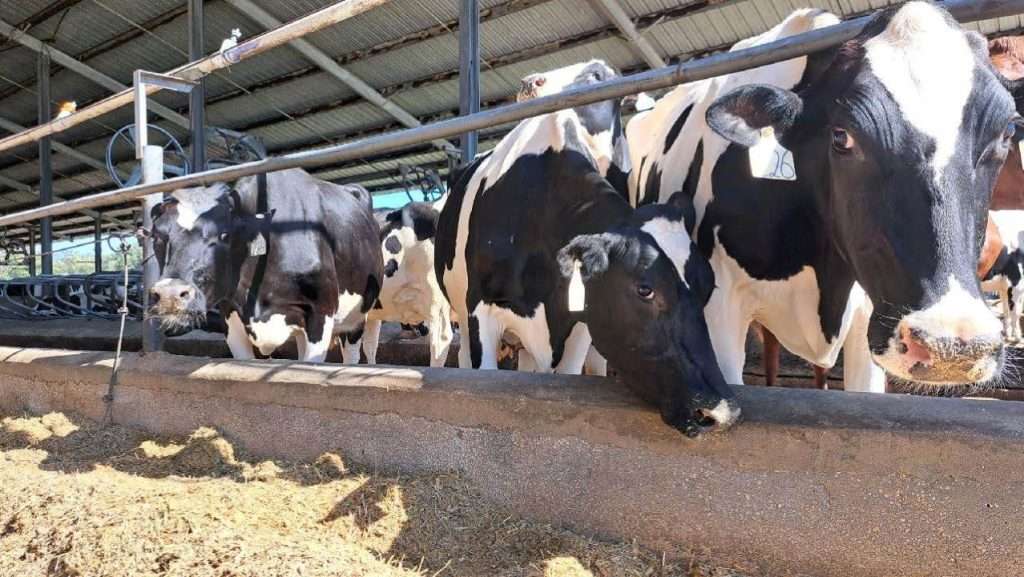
(965, 354)
(720, 417)
(172, 294)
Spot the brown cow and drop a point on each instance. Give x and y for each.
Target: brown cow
(1007, 56)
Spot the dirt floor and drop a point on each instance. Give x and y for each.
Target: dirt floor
(80, 500)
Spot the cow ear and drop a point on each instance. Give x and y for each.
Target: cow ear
(590, 251)
(740, 114)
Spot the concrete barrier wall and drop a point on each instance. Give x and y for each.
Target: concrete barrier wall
(812, 482)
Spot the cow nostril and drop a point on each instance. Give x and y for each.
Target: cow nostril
(185, 294)
(154, 296)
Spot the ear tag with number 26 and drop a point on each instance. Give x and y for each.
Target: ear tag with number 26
(771, 160)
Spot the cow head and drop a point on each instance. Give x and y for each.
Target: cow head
(900, 136)
(405, 231)
(646, 287)
(200, 238)
(602, 121)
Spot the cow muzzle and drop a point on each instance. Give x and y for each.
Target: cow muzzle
(946, 345)
(712, 418)
(178, 304)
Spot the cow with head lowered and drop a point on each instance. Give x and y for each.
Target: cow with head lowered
(870, 238)
(294, 257)
(410, 294)
(534, 220)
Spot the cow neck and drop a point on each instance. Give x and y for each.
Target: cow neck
(598, 212)
(260, 268)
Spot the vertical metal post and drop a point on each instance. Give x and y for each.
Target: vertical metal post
(45, 162)
(152, 171)
(469, 70)
(31, 250)
(197, 98)
(97, 246)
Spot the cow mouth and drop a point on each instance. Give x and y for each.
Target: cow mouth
(179, 323)
(940, 364)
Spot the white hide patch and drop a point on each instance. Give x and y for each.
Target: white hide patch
(349, 314)
(928, 68)
(673, 240)
(957, 314)
(270, 334)
(194, 202)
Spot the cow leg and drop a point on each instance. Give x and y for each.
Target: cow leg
(238, 339)
(350, 342)
(595, 364)
(440, 326)
(1004, 301)
(860, 373)
(820, 377)
(315, 352)
(483, 334)
(769, 356)
(1016, 301)
(371, 340)
(574, 353)
(525, 362)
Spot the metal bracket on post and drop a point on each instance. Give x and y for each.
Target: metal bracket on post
(152, 158)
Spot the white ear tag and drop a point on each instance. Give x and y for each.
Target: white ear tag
(577, 294)
(769, 159)
(258, 245)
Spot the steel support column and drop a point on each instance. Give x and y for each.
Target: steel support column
(152, 171)
(197, 98)
(31, 250)
(97, 247)
(45, 162)
(469, 70)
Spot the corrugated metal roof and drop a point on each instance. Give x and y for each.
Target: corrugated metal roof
(406, 49)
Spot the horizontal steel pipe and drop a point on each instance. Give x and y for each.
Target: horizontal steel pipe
(200, 68)
(715, 65)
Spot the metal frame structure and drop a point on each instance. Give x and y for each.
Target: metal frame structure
(709, 67)
(465, 126)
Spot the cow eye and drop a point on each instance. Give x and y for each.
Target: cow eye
(645, 292)
(1010, 131)
(842, 142)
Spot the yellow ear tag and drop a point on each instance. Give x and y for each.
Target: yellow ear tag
(771, 160)
(577, 294)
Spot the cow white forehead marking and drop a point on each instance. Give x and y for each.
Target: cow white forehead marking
(674, 241)
(927, 66)
(194, 202)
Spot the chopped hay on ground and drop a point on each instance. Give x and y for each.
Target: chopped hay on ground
(81, 500)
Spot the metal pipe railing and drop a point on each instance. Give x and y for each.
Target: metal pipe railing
(195, 70)
(715, 65)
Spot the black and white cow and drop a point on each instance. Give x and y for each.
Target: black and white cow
(868, 235)
(1006, 277)
(303, 261)
(523, 218)
(410, 294)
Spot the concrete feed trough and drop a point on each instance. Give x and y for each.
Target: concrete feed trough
(820, 483)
